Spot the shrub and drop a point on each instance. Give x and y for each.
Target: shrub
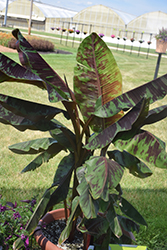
(38, 44)
(13, 220)
(5, 38)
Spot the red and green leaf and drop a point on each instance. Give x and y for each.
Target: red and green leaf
(135, 166)
(96, 75)
(102, 174)
(12, 71)
(30, 59)
(143, 145)
(154, 90)
(124, 124)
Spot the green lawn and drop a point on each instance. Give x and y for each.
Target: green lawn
(148, 195)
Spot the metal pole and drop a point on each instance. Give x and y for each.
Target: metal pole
(157, 66)
(6, 12)
(29, 26)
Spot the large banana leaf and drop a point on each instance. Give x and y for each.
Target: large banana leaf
(12, 71)
(96, 75)
(102, 174)
(135, 166)
(31, 110)
(154, 90)
(143, 145)
(29, 58)
(125, 123)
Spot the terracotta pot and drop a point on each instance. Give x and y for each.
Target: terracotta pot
(42, 241)
(161, 46)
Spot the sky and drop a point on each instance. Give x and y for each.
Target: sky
(134, 7)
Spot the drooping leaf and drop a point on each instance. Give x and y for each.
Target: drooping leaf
(56, 87)
(154, 90)
(21, 123)
(131, 212)
(96, 75)
(61, 181)
(31, 110)
(143, 145)
(156, 115)
(33, 222)
(135, 166)
(125, 123)
(64, 136)
(12, 71)
(35, 146)
(37, 162)
(65, 165)
(127, 224)
(75, 210)
(102, 174)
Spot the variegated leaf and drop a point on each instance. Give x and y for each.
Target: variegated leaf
(12, 71)
(125, 123)
(135, 166)
(96, 75)
(29, 58)
(154, 90)
(102, 174)
(143, 145)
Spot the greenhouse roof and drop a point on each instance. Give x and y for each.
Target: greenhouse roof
(3, 4)
(53, 11)
(126, 17)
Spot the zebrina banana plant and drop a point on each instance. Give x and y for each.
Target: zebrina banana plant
(108, 117)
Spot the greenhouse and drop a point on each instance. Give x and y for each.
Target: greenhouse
(44, 16)
(97, 18)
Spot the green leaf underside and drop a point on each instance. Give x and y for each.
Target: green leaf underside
(12, 71)
(34, 146)
(154, 90)
(96, 75)
(29, 58)
(125, 123)
(102, 174)
(143, 145)
(135, 166)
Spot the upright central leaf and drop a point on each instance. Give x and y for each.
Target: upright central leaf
(97, 77)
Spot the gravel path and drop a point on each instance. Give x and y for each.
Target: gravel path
(5, 49)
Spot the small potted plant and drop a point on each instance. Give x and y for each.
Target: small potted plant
(132, 39)
(118, 37)
(70, 30)
(124, 38)
(87, 179)
(58, 28)
(77, 31)
(101, 35)
(112, 36)
(85, 32)
(161, 41)
(63, 29)
(141, 41)
(149, 42)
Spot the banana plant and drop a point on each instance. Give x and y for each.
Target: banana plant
(99, 116)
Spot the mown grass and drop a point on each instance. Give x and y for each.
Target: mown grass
(148, 195)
